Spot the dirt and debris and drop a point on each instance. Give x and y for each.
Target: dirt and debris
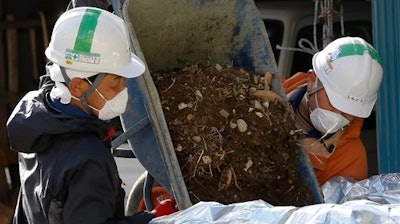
(231, 147)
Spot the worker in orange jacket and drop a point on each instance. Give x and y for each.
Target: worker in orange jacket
(330, 103)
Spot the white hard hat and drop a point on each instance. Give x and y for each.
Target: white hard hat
(54, 71)
(93, 40)
(351, 71)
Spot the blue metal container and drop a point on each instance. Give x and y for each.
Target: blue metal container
(386, 29)
(170, 34)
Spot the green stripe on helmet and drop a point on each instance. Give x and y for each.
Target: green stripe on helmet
(356, 49)
(84, 38)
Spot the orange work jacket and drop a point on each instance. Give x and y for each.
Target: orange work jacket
(349, 158)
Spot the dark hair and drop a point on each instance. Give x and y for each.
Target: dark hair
(92, 78)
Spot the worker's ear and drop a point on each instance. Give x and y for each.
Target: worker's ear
(312, 78)
(78, 86)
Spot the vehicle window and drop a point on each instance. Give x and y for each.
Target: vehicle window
(275, 34)
(302, 61)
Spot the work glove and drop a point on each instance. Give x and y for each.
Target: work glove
(265, 95)
(165, 207)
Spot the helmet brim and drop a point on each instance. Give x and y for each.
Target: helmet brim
(56, 75)
(134, 69)
(347, 106)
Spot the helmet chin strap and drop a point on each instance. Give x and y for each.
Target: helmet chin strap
(89, 91)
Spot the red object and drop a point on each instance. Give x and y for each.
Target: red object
(165, 207)
(156, 193)
(110, 134)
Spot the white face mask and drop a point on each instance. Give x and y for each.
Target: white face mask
(327, 121)
(114, 107)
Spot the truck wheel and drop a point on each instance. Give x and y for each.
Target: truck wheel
(135, 195)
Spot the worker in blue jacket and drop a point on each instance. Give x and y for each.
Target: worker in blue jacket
(61, 133)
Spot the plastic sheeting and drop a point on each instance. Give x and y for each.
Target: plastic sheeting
(373, 200)
(382, 189)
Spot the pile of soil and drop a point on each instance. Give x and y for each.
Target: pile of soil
(230, 146)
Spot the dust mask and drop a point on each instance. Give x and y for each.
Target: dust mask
(114, 107)
(327, 121)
